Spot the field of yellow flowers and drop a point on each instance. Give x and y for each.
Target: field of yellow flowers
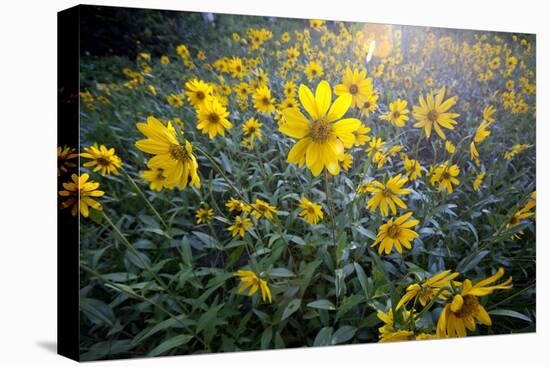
(305, 183)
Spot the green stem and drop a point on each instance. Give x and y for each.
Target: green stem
(142, 194)
(330, 210)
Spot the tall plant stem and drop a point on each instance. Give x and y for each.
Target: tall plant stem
(142, 194)
(330, 209)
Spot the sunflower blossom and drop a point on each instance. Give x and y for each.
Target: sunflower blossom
(252, 282)
(323, 135)
(311, 212)
(464, 309)
(212, 118)
(426, 291)
(102, 159)
(386, 195)
(433, 113)
(357, 85)
(396, 233)
(177, 161)
(79, 194)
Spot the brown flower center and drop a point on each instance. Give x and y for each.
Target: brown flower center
(468, 307)
(396, 114)
(102, 161)
(433, 115)
(266, 101)
(445, 176)
(214, 118)
(353, 89)
(393, 231)
(320, 131)
(178, 153)
(200, 95)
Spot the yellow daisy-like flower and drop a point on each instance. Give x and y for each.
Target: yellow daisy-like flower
(237, 68)
(64, 157)
(197, 92)
(396, 233)
(175, 100)
(322, 136)
(346, 160)
(204, 215)
(79, 194)
(386, 195)
(413, 168)
(450, 147)
(464, 309)
(263, 101)
(375, 146)
(212, 118)
(156, 177)
(361, 137)
(445, 175)
(370, 104)
(313, 71)
(490, 110)
(102, 159)
(479, 180)
(251, 129)
(164, 60)
(240, 226)
(426, 291)
(311, 212)
(252, 282)
(262, 209)
(433, 113)
(178, 162)
(290, 89)
(397, 114)
(234, 205)
(357, 85)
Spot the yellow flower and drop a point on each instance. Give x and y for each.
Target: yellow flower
(311, 212)
(204, 215)
(237, 68)
(178, 162)
(175, 100)
(212, 118)
(386, 195)
(488, 113)
(262, 209)
(516, 149)
(262, 100)
(322, 136)
(242, 90)
(64, 157)
(251, 129)
(156, 177)
(316, 24)
(240, 226)
(164, 60)
(357, 85)
(464, 309)
(370, 104)
(313, 70)
(446, 176)
(426, 291)
(413, 168)
(197, 92)
(79, 194)
(450, 147)
(397, 114)
(290, 89)
(375, 146)
(432, 113)
(396, 233)
(346, 160)
(479, 180)
(252, 282)
(474, 154)
(102, 159)
(481, 132)
(234, 205)
(361, 136)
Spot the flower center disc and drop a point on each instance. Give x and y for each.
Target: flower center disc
(396, 115)
(468, 307)
(320, 131)
(177, 153)
(446, 176)
(214, 118)
(393, 231)
(433, 115)
(200, 95)
(353, 89)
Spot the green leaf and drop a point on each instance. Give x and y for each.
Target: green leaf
(292, 307)
(174, 342)
(178, 321)
(324, 337)
(281, 273)
(510, 313)
(463, 267)
(265, 340)
(97, 311)
(323, 304)
(362, 277)
(343, 334)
